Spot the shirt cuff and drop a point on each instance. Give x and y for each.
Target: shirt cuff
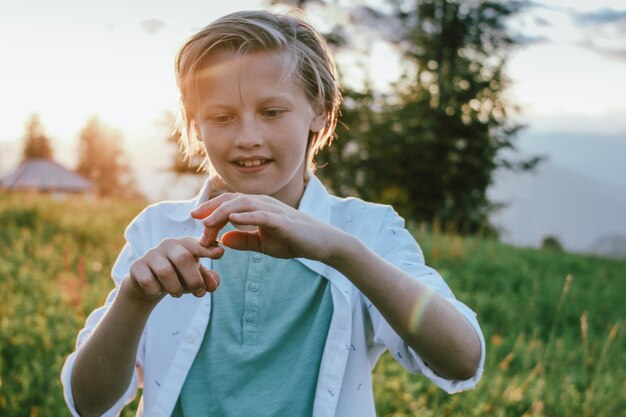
(452, 386)
(410, 360)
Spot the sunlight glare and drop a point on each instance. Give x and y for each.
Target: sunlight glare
(418, 310)
(97, 60)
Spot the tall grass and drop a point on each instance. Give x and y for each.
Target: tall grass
(54, 270)
(554, 326)
(553, 322)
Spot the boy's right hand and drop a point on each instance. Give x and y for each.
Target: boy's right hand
(172, 267)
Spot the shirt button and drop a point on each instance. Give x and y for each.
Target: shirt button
(190, 337)
(256, 258)
(249, 317)
(253, 286)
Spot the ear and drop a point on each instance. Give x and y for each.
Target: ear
(318, 123)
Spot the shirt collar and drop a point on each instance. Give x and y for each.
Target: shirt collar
(315, 201)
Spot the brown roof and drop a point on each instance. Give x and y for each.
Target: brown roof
(44, 175)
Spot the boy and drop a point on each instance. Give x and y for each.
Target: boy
(307, 290)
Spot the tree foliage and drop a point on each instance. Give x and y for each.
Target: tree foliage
(451, 116)
(431, 145)
(101, 159)
(36, 143)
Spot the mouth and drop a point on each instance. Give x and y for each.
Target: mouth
(251, 163)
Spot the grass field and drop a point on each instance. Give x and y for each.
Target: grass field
(554, 322)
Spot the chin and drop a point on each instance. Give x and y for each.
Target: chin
(252, 189)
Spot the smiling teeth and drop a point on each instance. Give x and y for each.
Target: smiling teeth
(255, 163)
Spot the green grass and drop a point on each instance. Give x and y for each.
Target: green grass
(554, 326)
(555, 344)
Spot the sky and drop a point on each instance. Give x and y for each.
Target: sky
(571, 69)
(68, 60)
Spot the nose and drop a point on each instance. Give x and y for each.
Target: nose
(250, 134)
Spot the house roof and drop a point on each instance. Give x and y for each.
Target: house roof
(44, 175)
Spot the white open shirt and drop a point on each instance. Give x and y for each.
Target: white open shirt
(357, 336)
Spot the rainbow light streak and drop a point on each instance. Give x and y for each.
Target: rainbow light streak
(418, 310)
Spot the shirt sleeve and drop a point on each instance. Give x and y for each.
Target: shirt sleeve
(134, 247)
(398, 246)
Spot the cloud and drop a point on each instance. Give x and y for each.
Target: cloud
(600, 30)
(540, 21)
(606, 32)
(152, 26)
(533, 25)
(612, 53)
(602, 16)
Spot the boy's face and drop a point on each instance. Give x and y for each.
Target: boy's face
(255, 123)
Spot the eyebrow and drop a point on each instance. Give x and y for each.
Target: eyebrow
(278, 97)
(204, 105)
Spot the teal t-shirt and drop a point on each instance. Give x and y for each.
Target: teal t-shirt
(263, 346)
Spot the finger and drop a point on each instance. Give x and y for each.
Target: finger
(261, 218)
(242, 240)
(186, 265)
(210, 234)
(203, 210)
(207, 208)
(198, 250)
(144, 282)
(240, 204)
(211, 278)
(167, 276)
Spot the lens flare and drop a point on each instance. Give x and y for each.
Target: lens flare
(418, 310)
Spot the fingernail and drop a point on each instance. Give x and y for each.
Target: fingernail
(200, 293)
(178, 295)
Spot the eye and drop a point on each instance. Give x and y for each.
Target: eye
(220, 119)
(272, 113)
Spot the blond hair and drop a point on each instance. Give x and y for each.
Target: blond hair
(254, 31)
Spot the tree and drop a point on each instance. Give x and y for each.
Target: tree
(432, 144)
(551, 243)
(451, 118)
(36, 143)
(101, 159)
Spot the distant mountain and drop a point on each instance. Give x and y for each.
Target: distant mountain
(613, 246)
(599, 156)
(563, 202)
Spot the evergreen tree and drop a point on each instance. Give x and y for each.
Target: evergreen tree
(431, 145)
(36, 143)
(451, 122)
(101, 159)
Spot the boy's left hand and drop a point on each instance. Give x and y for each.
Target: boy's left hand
(278, 230)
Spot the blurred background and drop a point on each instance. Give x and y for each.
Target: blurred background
(496, 128)
(555, 110)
